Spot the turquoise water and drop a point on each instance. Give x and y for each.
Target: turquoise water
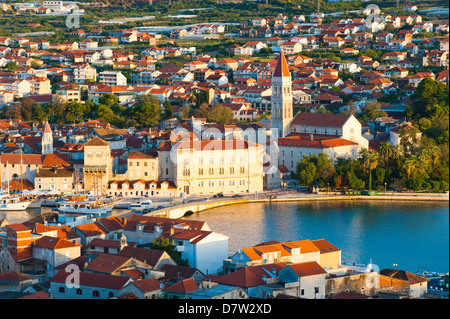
(413, 235)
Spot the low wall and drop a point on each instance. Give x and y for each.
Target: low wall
(180, 210)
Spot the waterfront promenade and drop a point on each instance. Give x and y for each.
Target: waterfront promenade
(196, 206)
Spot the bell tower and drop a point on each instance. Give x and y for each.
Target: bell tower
(47, 140)
(281, 98)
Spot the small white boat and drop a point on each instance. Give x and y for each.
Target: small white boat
(85, 207)
(11, 203)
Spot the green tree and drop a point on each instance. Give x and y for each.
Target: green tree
(385, 151)
(147, 110)
(75, 112)
(168, 246)
(168, 110)
(12, 66)
(353, 181)
(306, 172)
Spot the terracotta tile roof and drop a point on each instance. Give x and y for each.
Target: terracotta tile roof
(149, 256)
(93, 280)
(307, 269)
(91, 229)
(37, 295)
(281, 69)
(324, 246)
(176, 272)
(249, 276)
(18, 227)
(113, 223)
(96, 141)
(107, 263)
(183, 286)
(54, 243)
(148, 284)
(53, 160)
(27, 159)
(295, 141)
(403, 275)
(317, 119)
(51, 172)
(13, 276)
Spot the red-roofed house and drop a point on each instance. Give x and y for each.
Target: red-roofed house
(180, 289)
(306, 280)
(87, 285)
(149, 288)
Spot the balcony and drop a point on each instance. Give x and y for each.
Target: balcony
(95, 168)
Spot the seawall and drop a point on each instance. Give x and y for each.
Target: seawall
(184, 209)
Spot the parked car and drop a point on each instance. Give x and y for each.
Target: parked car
(237, 196)
(218, 195)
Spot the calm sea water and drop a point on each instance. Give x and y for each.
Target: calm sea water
(413, 235)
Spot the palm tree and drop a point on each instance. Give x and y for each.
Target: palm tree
(373, 163)
(410, 166)
(434, 153)
(386, 151)
(363, 156)
(369, 160)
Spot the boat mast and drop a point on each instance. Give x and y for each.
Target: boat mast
(7, 175)
(21, 175)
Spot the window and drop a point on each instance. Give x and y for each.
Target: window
(316, 290)
(79, 292)
(95, 293)
(62, 289)
(302, 292)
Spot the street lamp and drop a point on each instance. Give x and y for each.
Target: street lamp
(384, 188)
(328, 187)
(395, 265)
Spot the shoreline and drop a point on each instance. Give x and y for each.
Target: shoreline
(182, 210)
(358, 198)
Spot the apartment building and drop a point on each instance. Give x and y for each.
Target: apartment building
(112, 78)
(85, 73)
